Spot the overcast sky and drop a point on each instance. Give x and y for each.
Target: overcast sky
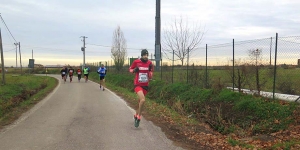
(53, 28)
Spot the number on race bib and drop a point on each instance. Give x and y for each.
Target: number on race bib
(143, 77)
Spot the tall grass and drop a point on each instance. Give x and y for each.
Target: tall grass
(19, 88)
(224, 110)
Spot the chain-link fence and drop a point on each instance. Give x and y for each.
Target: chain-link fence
(269, 64)
(253, 65)
(288, 65)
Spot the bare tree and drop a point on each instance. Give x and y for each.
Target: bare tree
(257, 61)
(119, 48)
(241, 73)
(182, 39)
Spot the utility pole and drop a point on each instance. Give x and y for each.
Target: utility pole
(20, 56)
(83, 50)
(2, 60)
(157, 36)
(16, 54)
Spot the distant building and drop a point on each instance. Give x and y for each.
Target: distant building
(38, 66)
(298, 62)
(53, 66)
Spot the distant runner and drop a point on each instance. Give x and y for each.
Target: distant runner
(67, 71)
(79, 72)
(86, 71)
(102, 73)
(63, 74)
(71, 72)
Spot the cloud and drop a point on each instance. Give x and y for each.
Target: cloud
(58, 24)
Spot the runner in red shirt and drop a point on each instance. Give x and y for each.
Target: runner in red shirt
(143, 70)
(71, 71)
(79, 72)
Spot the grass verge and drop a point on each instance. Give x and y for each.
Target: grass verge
(20, 93)
(189, 114)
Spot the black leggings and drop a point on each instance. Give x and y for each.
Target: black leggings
(79, 76)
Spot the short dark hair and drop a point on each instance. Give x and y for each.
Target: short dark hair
(144, 52)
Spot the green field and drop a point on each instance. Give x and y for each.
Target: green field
(287, 80)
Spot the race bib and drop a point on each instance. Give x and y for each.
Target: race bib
(143, 77)
(79, 72)
(63, 73)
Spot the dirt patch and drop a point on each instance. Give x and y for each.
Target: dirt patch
(179, 134)
(264, 138)
(182, 135)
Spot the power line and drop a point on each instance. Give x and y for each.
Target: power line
(49, 49)
(288, 41)
(9, 37)
(7, 28)
(9, 50)
(57, 49)
(111, 46)
(54, 49)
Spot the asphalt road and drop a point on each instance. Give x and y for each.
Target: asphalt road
(80, 116)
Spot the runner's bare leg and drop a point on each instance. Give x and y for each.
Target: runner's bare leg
(102, 83)
(141, 102)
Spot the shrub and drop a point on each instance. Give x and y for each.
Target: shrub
(225, 110)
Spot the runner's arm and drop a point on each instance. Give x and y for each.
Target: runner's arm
(132, 67)
(150, 71)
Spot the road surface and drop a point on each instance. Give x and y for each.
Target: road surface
(80, 116)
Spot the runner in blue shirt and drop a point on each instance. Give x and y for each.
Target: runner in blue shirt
(102, 73)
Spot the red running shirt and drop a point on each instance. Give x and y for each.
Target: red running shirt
(143, 75)
(78, 71)
(71, 72)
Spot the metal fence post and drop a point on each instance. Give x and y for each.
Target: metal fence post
(276, 43)
(233, 65)
(206, 82)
